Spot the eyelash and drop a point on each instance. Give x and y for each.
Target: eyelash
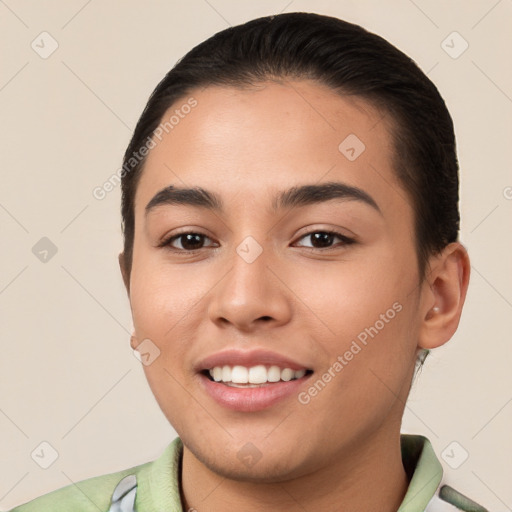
(167, 242)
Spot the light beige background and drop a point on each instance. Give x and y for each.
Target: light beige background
(67, 373)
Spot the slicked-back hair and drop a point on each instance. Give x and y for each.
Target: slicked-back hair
(352, 62)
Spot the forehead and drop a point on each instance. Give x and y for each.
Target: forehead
(269, 137)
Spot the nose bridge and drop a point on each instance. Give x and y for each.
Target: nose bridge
(250, 292)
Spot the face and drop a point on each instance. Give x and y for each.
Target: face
(296, 271)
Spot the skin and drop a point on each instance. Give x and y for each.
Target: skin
(342, 449)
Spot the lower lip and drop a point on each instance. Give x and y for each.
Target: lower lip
(251, 399)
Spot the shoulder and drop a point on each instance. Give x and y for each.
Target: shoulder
(92, 494)
(147, 487)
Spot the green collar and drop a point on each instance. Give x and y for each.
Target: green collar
(158, 482)
(423, 469)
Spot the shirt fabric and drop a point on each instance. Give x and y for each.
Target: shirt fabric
(154, 486)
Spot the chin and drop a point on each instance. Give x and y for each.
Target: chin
(249, 464)
(262, 471)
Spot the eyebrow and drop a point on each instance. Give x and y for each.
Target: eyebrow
(294, 197)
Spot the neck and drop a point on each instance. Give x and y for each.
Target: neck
(368, 477)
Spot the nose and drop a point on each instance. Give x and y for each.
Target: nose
(251, 296)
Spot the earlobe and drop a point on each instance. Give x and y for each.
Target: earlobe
(445, 291)
(124, 272)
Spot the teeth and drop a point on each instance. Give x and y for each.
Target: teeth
(216, 373)
(226, 374)
(287, 374)
(240, 375)
(274, 374)
(259, 374)
(300, 373)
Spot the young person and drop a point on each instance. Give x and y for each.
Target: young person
(290, 218)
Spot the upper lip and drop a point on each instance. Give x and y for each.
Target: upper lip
(248, 358)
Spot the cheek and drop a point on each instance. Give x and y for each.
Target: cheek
(362, 317)
(168, 303)
(346, 297)
(160, 295)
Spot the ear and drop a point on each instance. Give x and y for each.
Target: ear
(443, 295)
(124, 272)
(134, 342)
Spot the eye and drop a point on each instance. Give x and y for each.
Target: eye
(192, 241)
(187, 242)
(325, 239)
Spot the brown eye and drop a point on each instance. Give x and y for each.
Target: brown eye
(325, 239)
(187, 241)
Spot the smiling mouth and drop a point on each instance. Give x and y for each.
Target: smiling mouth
(254, 376)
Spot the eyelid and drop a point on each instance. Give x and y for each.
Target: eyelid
(167, 240)
(347, 240)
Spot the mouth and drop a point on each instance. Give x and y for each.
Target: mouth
(257, 376)
(251, 381)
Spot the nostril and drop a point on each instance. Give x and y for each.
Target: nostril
(266, 318)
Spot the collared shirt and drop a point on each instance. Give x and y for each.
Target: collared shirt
(154, 486)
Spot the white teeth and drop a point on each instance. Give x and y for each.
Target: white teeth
(241, 376)
(257, 374)
(287, 374)
(300, 373)
(226, 374)
(274, 374)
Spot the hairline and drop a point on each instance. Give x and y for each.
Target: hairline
(394, 126)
